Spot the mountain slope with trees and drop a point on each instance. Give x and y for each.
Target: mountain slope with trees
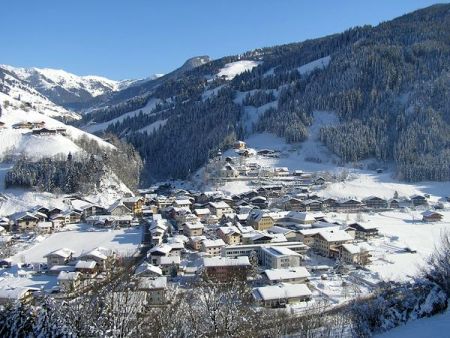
(389, 85)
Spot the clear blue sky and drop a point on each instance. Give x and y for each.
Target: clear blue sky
(136, 38)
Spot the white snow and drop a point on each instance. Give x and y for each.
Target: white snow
(80, 240)
(34, 146)
(154, 126)
(235, 68)
(437, 326)
(316, 64)
(147, 109)
(367, 183)
(14, 141)
(252, 114)
(211, 92)
(18, 90)
(49, 78)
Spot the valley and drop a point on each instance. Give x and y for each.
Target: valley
(303, 189)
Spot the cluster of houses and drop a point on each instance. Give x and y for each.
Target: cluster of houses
(37, 128)
(211, 236)
(75, 209)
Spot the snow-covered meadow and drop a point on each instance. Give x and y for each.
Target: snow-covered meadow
(80, 239)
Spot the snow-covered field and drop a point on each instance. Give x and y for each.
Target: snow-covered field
(82, 239)
(400, 230)
(16, 141)
(235, 68)
(79, 239)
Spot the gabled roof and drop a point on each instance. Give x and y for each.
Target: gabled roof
(210, 243)
(219, 205)
(134, 199)
(97, 253)
(14, 293)
(64, 253)
(230, 230)
(18, 216)
(163, 248)
(202, 211)
(282, 291)
(351, 248)
(193, 225)
(63, 275)
(430, 213)
(116, 204)
(85, 265)
(146, 267)
(335, 236)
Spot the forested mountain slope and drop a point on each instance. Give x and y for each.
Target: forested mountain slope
(389, 86)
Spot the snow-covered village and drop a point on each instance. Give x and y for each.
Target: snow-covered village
(299, 190)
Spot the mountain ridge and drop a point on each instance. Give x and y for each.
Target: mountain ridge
(382, 82)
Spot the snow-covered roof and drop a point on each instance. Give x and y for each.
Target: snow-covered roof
(169, 260)
(85, 264)
(153, 283)
(193, 226)
(290, 273)
(14, 293)
(97, 253)
(80, 204)
(63, 275)
(280, 251)
(429, 213)
(20, 215)
(202, 211)
(111, 218)
(301, 216)
(197, 238)
(219, 205)
(225, 261)
(118, 203)
(146, 267)
(210, 243)
(229, 230)
(45, 225)
(182, 202)
(163, 248)
(282, 291)
(335, 236)
(64, 253)
(279, 230)
(351, 248)
(133, 199)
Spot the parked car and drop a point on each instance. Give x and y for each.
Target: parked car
(5, 263)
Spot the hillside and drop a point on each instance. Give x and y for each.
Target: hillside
(387, 84)
(64, 89)
(32, 148)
